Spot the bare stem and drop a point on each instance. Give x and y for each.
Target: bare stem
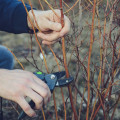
(65, 63)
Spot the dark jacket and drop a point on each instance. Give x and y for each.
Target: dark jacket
(13, 17)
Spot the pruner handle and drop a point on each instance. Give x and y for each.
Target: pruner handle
(23, 114)
(47, 80)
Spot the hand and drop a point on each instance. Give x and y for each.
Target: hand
(15, 85)
(50, 25)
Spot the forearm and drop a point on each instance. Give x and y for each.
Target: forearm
(13, 17)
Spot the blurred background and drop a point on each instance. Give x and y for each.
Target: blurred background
(105, 50)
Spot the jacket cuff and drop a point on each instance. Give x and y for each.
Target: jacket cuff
(19, 21)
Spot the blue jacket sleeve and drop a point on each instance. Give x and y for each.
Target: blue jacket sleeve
(13, 17)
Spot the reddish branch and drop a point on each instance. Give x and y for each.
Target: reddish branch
(89, 58)
(65, 64)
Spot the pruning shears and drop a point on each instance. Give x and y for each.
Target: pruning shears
(52, 80)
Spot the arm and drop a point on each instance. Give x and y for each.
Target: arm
(13, 17)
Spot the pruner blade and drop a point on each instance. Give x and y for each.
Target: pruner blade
(64, 82)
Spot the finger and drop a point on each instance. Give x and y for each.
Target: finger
(41, 91)
(55, 26)
(40, 82)
(48, 43)
(54, 16)
(26, 107)
(49, 37)
(57, 16)
(38, 100)
(66, 27)
(43, 84)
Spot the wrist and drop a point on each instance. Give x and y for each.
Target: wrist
(30, 19)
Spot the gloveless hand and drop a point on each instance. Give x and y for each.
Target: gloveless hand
(15, 85)
(50, 25)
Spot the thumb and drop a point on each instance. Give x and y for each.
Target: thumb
(54, 26)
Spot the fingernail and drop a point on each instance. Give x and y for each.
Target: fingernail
(35, 115)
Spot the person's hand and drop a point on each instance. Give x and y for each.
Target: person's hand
(15, 85)
(50, 25)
